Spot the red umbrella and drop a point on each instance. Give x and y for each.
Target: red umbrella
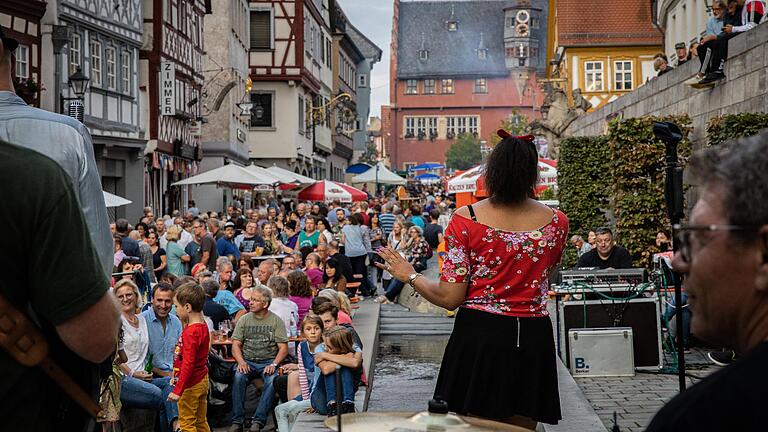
(326, 190)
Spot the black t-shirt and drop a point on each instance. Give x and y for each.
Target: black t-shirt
(208, 244)
(157, 261)
(216, 312)
(618, 259)
(54, 270)
(249, 244)
(430, 234)
(731, 399)
(193, 250)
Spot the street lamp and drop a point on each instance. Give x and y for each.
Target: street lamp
(78, 83)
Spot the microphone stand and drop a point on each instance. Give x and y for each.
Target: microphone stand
(671, 135)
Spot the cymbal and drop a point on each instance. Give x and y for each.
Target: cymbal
(414, 422)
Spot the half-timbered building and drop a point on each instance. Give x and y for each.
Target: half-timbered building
(102, 38)
(21, 19)
(171, 82)
(224, 92)
(290, 59)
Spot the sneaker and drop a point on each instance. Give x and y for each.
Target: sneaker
(722, 358)
(347, 407)
(381, 299)
(332, 409)
(236, 427)
(712, 78)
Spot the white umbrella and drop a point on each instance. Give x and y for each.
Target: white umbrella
(287, 176)
(255, 169)
(384, 176)
(114, 201)
(230, 175)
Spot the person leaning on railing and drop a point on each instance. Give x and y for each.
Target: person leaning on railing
(506, 246)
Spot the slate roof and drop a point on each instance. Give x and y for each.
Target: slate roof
(368, 48)
(605, 23)
(453, 53)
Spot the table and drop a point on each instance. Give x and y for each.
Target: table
(225, 347)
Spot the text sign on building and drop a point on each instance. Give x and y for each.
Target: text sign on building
(196, 129)
(167, 88)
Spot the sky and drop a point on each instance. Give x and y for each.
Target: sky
(374, 19)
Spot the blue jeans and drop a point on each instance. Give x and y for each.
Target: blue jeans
(239, 385)
(394, 289)
(325, 390)
(670, 311)
(136, 393)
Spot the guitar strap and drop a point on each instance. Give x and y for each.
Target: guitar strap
(23, 341)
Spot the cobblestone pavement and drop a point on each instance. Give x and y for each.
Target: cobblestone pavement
(636, 399)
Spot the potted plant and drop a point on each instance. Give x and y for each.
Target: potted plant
(27, 89)
(422, 135)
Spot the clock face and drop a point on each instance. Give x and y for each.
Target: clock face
(522, 30)
(523, 16)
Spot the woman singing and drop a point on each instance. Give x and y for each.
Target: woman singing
(500, 360)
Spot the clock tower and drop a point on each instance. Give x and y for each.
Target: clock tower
(520, 36)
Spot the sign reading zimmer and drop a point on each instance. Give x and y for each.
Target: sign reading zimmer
(167, 89)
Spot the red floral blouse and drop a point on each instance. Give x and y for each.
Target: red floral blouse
(508, 271)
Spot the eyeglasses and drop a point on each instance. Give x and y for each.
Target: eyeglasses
(683, 235)
(717, 8)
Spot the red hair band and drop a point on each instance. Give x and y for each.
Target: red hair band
(504, 134)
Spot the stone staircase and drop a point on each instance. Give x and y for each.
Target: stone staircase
(398, 320)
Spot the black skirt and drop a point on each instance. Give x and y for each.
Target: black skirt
(490, 370)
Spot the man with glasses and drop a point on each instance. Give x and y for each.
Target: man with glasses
(723, 254)
(714, 28)
(606, 254)
(259, 345)
(202, 249)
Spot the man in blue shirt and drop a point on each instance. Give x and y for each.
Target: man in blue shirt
(164, 330)
(714, 28)
(225, 246)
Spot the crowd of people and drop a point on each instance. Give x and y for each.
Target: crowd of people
(729, 18)
(278, 282)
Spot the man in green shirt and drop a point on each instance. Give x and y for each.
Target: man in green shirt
(259, 344)
(59, 282)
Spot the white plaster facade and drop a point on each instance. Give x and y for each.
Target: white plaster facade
(682, 21)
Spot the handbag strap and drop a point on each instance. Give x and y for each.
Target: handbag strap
(27, 345)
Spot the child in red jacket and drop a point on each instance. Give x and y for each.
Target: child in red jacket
(190, 366)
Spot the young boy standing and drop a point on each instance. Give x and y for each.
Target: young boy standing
(190, 370)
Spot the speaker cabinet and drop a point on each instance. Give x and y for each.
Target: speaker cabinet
(643, 315)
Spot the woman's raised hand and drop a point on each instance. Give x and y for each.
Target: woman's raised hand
(395, 264)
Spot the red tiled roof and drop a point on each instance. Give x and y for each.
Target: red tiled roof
(606, 22)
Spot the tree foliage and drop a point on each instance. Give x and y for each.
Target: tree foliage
(516, 124)
(464, 153)
(371, 155)
(637, 182)
(583, 185)
(732, 126)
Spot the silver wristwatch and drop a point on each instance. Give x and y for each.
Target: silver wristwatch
(412, 278)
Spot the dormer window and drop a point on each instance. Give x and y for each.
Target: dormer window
(452, 24)
(423, 55)
(482, 54)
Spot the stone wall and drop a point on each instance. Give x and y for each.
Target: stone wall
(744, 90)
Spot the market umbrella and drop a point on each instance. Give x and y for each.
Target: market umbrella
(230, 175)
(357, 168)
(114, 201)
(473, 180)
(383, 176)
(428, 178)
(326, 190)
(287, 176)
(426, 167)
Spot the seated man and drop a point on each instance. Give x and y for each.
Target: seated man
(164, 330)
(580, 245)
(606, 254)
(216, 312)
(313, 270)
(259, 345)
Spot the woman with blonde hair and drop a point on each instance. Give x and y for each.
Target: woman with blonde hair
(176, 257)
(272, 244)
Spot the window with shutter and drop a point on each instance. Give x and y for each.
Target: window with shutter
(261, 30)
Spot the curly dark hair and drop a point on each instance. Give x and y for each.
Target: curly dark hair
(511, 171)
(300, 284)
(237, 282)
